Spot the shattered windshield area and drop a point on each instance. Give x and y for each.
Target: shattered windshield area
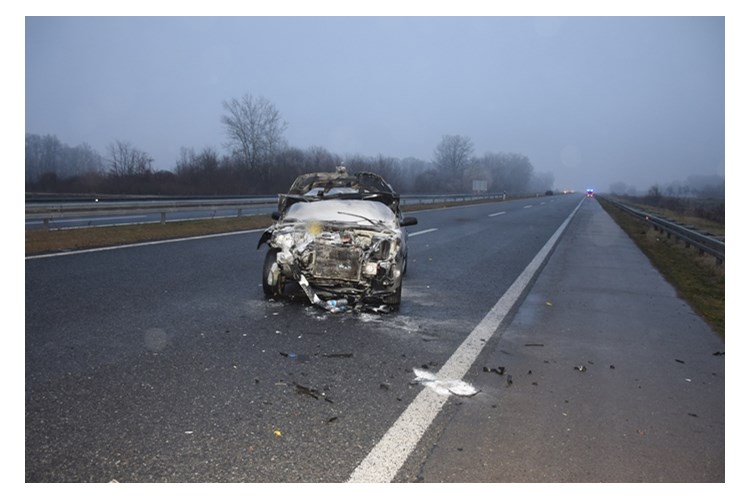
(340, 185)
(332, 192)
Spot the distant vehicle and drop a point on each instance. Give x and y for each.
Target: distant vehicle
(549, 192)
(589, 193)
(340, 236)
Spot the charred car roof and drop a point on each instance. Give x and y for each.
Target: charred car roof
(340, 184)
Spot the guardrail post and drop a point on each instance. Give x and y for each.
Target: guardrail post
(163, 217)
(239, 212)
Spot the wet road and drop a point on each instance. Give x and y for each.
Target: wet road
(164, 363)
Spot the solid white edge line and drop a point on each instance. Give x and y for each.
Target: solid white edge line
(144, 244)
(423, 232)
(388, 456)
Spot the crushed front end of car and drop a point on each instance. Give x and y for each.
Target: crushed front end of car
(341, 242)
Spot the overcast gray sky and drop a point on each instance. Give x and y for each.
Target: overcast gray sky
(594, 100)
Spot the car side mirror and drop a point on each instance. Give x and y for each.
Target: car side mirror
(409, 221)
(275, 215)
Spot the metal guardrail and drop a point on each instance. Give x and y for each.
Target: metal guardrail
(703, 242)
(93, 208)
(56, 210)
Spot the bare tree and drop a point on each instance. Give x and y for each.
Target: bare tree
(453, 154)
(43, 156)
(124, 160)
(46, 155)
(83, 159)
(255, 131)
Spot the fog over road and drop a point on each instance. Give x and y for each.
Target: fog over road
(165, 363)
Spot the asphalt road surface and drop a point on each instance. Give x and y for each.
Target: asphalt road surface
(164, 363)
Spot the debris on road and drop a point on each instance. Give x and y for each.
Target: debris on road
(580, 368)
(335, 305)
(339, 355)
(679, 361)
(500, 370)
(296, 356)
(444, 387)
(534, 345)
(314, 393)
(277, 433)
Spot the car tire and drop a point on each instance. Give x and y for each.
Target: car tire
(272, 289)
(394, 299)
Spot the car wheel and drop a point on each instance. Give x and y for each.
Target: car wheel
(394, 299)
(272, 286)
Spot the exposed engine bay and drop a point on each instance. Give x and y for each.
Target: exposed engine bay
(342, 243)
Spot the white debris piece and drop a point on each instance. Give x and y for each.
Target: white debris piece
(444, 387)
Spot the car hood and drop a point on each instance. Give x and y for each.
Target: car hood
(358, 212)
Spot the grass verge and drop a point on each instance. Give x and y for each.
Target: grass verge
(697, 278)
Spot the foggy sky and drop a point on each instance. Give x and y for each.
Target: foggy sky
(593, 100)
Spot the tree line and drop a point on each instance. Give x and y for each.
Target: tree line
(258, 160)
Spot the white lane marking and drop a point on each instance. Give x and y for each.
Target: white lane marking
(528, 206)
(423, 232)
(497, 213)
(144, 244)
(391, 452)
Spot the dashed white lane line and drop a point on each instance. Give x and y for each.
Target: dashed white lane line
(423, 232)
(528, 206)
(497, 213)
(384, 461)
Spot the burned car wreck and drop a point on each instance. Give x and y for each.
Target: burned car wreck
(341, 237)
